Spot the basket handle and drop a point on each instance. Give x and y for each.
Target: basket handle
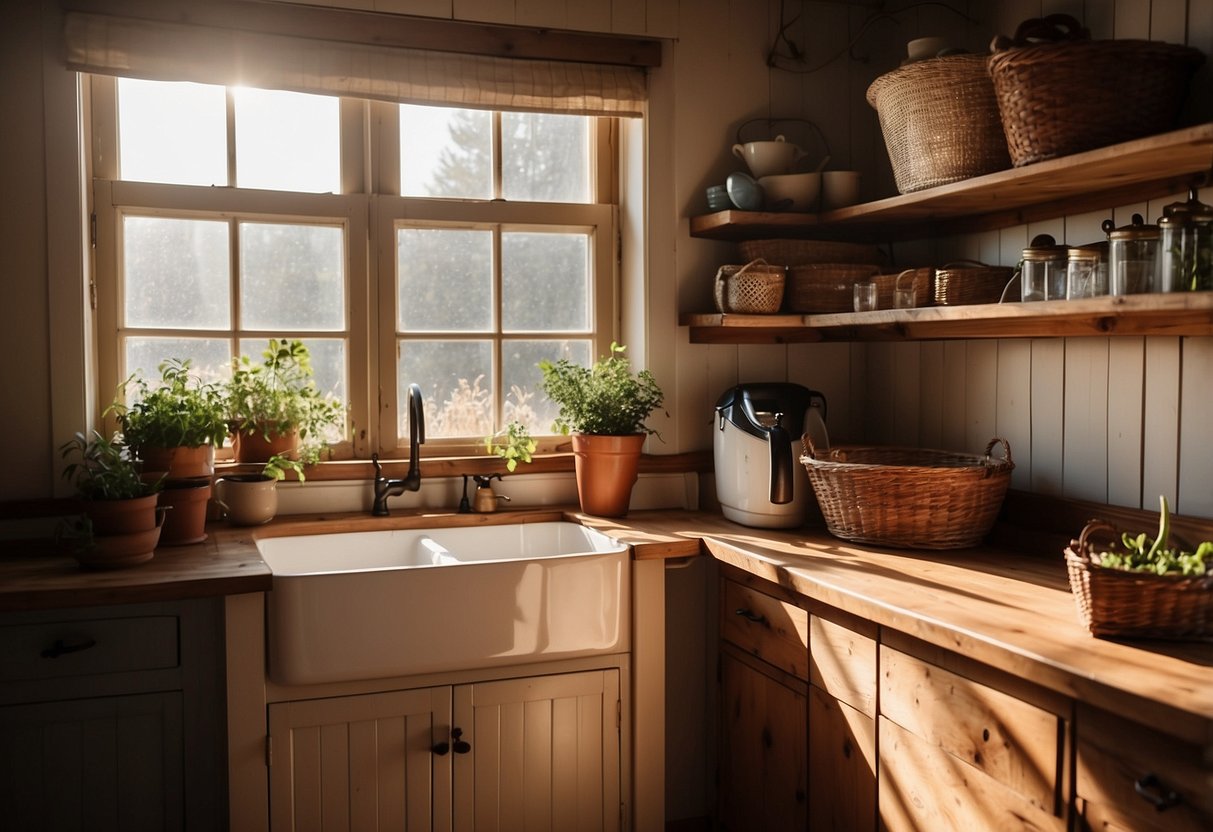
(977, 263)
(1006, 449)
(1053, 28)
(1082, 547)
(757, 261)
(810, 450)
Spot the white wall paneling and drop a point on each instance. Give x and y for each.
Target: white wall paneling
(952, 434)
(1196, 429)
(1013, 416)
(981, 395)
(1160, 430)
(1085, 437)
(930, 396)
(1126, 387)
(1048, 390)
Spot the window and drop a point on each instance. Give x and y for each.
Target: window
(461, 250)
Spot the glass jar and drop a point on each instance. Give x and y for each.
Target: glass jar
(1132, 257)
(1087, 271)
(1185, 250)
(1043, 270)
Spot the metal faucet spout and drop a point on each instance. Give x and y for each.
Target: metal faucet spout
(388, 487)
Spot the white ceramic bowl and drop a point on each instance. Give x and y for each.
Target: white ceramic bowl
(792, 191)
(768, 158)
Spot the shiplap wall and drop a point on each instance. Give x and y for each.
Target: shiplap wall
(1117, 420)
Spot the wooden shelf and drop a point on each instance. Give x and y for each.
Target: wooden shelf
(1149, 168)
(1181, 313)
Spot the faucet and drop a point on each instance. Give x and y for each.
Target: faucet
(386, 487)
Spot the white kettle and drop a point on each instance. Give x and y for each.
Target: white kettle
(760, 480)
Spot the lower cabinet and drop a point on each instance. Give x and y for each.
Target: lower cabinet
(519, 754)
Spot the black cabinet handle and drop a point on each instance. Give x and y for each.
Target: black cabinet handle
(440, 748)
(62, 648)
(460, 746)
(1153, 791)
(750, 615)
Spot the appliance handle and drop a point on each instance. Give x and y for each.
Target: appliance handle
(780, 443)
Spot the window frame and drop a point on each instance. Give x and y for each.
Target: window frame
(368, 209)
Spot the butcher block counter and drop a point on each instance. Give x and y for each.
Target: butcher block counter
(999, 606)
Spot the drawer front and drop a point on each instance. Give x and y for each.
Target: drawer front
(61, 649)
(1013, 742)
(775, 631)
(843, 663)
(1125, 769)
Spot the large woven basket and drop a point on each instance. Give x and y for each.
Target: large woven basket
(909, 497)
(806, 252)
(1117, 603)
(1061, 98)
(969, 281)
(824, 288)
(940, 121)
(753, 289)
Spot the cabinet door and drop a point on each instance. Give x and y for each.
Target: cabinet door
(544, 754)
(763, 767)
(361, 762)
(842, 766)
(113, 763)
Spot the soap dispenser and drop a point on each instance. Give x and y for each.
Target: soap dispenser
(485, 500)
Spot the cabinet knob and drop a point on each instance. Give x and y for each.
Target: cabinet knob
(440, 748)
(750, 615)
(62, 648)
(1156, 793)
(460, 746)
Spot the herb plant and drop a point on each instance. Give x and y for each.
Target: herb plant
(1153, 555)
(181, 411)
(606, 399)
(515, 446)
(102, 469)
(279, 395)
(278, 465)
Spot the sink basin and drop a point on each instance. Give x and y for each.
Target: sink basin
(400, 602)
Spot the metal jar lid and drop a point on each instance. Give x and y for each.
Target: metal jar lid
(1044, 247)
(1137, 230)
(1185, 213)
(1091, 251)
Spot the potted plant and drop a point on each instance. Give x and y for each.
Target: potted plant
(252, 499)
(275, 407)
(120, 525)
(604, 407)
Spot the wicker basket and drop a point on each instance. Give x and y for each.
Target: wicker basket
(807, 252)
(753, 289)
(917, 279)
(908, 497)
(1063, 98)
(940, 121)
(1117, 603)
(969, 281)
(824, 288)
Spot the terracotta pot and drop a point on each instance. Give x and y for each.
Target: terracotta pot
(185, 521)
(606, 471)
(255, 447)
(116, 551)
(122, 516)
(247, 499)
(179, 463)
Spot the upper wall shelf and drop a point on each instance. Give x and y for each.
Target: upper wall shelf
(1180, 313)
(1149, 168)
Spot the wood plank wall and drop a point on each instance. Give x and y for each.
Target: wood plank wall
(1119, 420)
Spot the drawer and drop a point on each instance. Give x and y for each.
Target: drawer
(1017, 744)
(60, 649)
(773, 630)
(843, 663)
(1124, 769)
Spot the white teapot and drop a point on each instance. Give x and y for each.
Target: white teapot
(769, 158)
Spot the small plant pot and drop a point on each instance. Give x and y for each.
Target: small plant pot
(186, 519)
(179, 463)
(110, 517)
(254, 447)
(247, 499)
(117, 551)
(607, 467)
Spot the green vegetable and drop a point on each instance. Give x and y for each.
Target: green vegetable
(1154, 556)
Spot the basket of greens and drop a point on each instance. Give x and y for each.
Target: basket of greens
(1142, 587)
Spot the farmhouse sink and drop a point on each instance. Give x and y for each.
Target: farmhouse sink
(401, 602)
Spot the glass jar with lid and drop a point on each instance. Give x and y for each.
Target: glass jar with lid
(1087, 271)
(1043, 270)
(1132, 256)
(1185, 253)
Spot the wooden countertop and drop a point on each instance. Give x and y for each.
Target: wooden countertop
(996, 605)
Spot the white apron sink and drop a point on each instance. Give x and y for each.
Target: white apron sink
(401, 602)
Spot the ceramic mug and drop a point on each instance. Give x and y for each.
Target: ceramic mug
(839, 188)
(247, 499)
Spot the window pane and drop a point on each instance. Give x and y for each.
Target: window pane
(456, 379)
(175, 273)
(445, 280)
(328, 364)
(446, 152)
(211, 357)
(292, 277)
(287, 141)
(524, 401)
(544, 282)
(545, 158)
(172, 132)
